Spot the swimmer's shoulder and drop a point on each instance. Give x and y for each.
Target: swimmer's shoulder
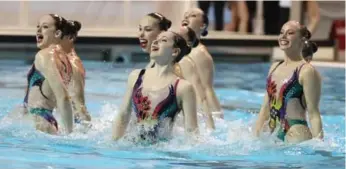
(184, 87)
(187, 61)
(43, 58)
(133, 76)
(308, 70)
(201, 50)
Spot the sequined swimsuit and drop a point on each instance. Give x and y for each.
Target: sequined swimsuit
(166, 108)
(289, 90)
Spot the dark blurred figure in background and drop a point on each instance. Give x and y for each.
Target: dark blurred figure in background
(310, 8)
(218, 12)
(276, 13)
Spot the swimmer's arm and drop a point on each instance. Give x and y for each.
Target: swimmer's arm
(192, 76)
(197, 85)
(213, 102)
(79, 98)
(311, 81)
(313, 14)
(263, 115)
(122, 118)
(51, 72)
(187, 98)
(210, 124)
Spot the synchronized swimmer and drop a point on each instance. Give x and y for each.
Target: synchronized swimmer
(177, 80)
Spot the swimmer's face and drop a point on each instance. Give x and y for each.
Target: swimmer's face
(147, 32)
(290, 38)
(194, 19)
(162, 49)
(183, 31)
(46, 32)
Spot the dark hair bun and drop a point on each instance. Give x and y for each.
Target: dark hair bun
(314, 47)
(204, 33)
(309, 48)
(164, 23)
(167, 23)
(76, 25)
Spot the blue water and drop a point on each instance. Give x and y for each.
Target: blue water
(240, 88)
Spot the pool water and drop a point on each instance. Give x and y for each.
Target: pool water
(240, 88)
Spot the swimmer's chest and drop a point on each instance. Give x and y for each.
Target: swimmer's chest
(284, 75)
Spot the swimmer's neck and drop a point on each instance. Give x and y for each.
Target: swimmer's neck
(292, 56)
(67, 48)
(197, 32)
(162, 70)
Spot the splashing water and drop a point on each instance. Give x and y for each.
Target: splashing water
(231, 145)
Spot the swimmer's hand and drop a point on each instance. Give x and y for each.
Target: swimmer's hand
(83, 119)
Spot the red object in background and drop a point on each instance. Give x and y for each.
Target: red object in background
(338, 33)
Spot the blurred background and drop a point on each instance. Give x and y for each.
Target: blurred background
(240, 31)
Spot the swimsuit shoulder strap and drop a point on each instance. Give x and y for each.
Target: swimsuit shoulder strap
(298, 70)
(276, 67)
(139, 79)
(176, 86)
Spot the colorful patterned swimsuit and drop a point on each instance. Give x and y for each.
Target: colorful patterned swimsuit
(166, 108)
(35, 78)
(289, 90)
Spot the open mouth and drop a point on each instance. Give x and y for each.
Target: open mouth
(143, 43)
(284, 42)
(154, 48)
(39, 38)
(184, 23)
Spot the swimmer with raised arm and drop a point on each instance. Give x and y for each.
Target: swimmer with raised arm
(188, 70)
(293, 87)
(49, 76)
(157, 95)
(149, 28)
(77, 83)
(198, 21)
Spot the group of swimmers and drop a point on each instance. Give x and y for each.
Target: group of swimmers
(177, 80)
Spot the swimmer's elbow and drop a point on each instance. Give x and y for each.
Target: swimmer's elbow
(316, 125)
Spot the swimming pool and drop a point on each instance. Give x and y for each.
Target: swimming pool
(240, 88)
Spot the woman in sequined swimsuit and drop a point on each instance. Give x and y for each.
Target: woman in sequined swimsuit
(293, 87)
(150, 27)
(157, 95)
(49, 76)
